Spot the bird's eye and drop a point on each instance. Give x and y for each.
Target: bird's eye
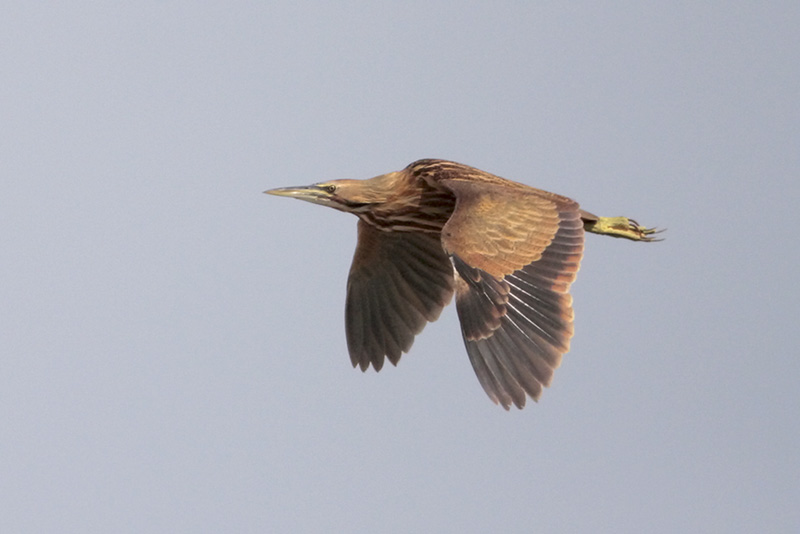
(330, 188)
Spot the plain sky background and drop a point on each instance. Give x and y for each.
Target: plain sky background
(172, 351)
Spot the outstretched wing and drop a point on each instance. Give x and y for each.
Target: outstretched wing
(398, 282)
(515, 251)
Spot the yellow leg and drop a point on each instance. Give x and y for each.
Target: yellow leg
(620, 227)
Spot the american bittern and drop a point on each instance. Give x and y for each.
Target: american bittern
(508, 251)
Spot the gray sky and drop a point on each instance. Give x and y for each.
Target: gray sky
(172, 343)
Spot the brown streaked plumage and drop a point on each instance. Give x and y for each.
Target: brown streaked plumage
(509, 252)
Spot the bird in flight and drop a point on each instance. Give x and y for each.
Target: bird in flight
(508, 251)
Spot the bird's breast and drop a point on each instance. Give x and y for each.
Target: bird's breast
(427, 210)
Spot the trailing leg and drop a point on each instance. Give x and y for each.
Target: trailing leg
(617, 227)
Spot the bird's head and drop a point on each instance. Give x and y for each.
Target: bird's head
(351, 196)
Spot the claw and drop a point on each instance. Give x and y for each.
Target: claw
(646, 233)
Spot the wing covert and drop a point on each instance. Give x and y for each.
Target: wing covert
(515, 252)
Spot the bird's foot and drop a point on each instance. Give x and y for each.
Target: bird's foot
(621, 227)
